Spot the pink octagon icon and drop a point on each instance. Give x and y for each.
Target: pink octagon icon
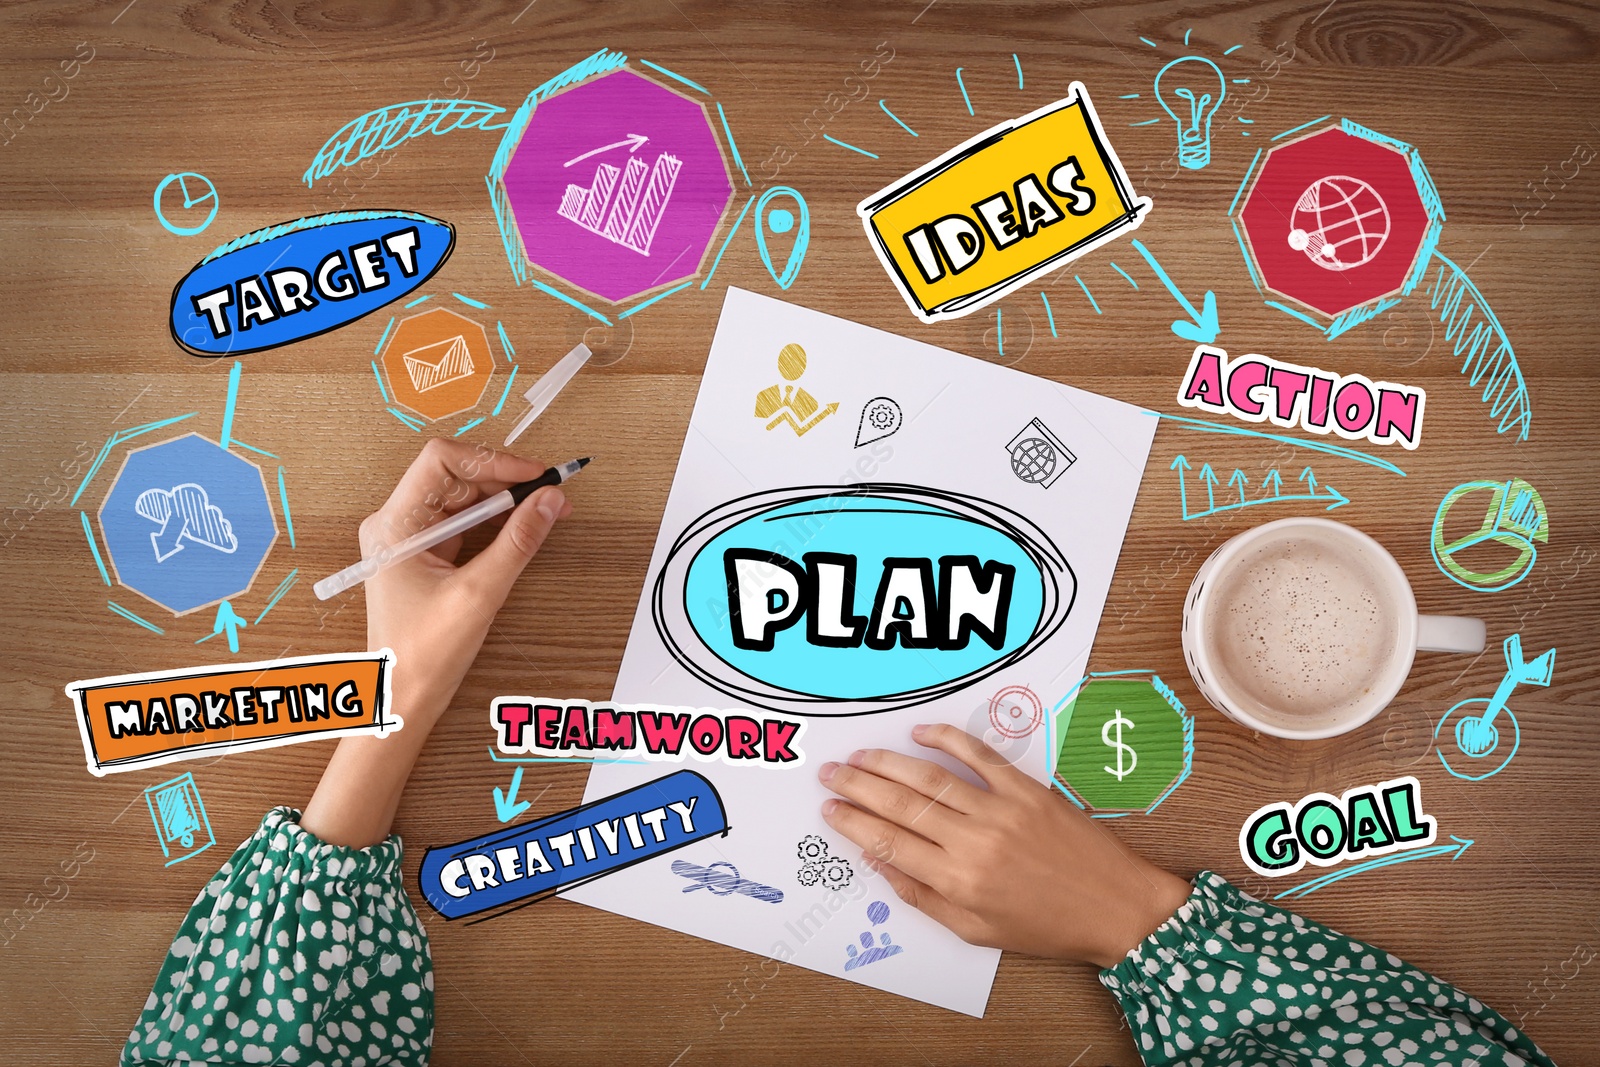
(618, 185)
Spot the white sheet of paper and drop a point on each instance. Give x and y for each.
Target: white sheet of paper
(959, 416)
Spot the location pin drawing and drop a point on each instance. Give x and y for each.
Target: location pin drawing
(880, 418)
(793, 222)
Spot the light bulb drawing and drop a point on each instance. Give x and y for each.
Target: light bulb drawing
(1188, 97)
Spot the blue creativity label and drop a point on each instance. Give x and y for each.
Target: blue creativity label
(525, 863)
(303, 278)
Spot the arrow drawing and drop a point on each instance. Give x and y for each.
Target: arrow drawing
(228, 620)
(634, 141)
(1307, 888)
(506, 806)
(1202, 327)
(1209, 476)
(1272, 483)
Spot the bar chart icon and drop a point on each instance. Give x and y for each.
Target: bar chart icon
(624, 206)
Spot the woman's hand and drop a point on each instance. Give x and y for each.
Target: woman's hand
(434, 615)
(1012, 866)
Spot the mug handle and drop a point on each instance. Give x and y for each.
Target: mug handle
(1449, 633)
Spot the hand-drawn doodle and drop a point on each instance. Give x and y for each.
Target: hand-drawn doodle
(1454, 851)
(1375, 820)
(781, 220)
(132, 721)
(529, 862)
(634, 224)
(199, 494)
(643, 192)
(1037, 455)
(1260, 389)
(1272, 490)
(228, 621)
(1341, 221)
(1483, 345)
(185, 513)
(585, 231)
(1476, 736)
(880, 417)
(300, 279)
(870, 951)
(438, 363)
(997, 211)
(506, 804)
(1190, 90)
(1515, 518)
(1201, 326)
(180, 818)
(791, 405)
(820, 868)
(1016, 711)
(1123, 742)
(207, 195)
(967, 588)
(722, 879)
(1207, 426)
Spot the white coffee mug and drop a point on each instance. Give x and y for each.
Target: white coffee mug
(1396, 632)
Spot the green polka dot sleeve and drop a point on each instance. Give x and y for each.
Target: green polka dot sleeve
(297, 952)
(1229, 979)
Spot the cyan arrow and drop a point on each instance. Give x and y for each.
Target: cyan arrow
(1273, 482)
(1209, 476)
(1306, 888)
(226, 619)
(1337, 497)
(1180, 465)
(506, 806)
(1203, 327)
(1238, 479)
(169, 539)
(1310, 479)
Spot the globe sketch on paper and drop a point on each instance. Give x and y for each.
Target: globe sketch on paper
(1038, 456)
(1339, 222)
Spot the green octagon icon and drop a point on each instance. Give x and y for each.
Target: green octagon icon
(1125, 743)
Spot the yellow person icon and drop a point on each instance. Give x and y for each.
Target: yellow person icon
(790, 403)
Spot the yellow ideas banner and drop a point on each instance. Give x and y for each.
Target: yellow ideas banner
(992, 214)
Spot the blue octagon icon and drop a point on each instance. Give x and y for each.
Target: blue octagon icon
(187, 523)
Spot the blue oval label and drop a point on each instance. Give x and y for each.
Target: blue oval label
(299, 279)
(853, 600)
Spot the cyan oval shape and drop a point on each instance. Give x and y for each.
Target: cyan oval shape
(298, 279)
(809, 662)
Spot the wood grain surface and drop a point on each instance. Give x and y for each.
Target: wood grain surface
(1500, 98)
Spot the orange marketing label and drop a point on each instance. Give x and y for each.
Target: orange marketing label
(143, 720)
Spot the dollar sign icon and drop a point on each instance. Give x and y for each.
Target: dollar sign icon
(1119, 722)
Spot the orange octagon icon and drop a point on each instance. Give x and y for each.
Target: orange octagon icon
(438, 363)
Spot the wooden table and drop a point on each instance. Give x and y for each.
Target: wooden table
(1495, 96)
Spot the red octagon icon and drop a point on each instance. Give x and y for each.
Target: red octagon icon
(1341, 221)
(618, 185)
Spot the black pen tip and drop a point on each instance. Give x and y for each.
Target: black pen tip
(584, 462)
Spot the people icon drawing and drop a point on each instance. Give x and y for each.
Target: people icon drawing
(877, 914)
(790, 403)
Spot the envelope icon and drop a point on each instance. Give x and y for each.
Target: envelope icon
(438, 364)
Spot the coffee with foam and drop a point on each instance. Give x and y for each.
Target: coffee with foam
(1302, 628)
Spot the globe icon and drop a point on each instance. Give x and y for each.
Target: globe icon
(1339, 222)
(1033, 459)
